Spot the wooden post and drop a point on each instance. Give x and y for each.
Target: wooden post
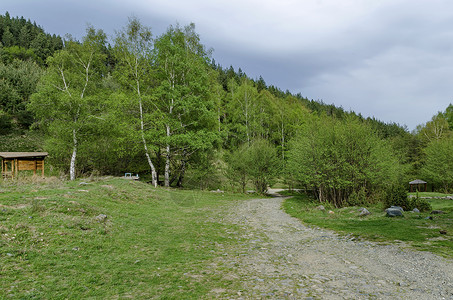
(16, 170)
(35, 166)
(42, 172)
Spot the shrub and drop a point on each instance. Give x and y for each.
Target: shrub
(357, 198)
(421, 204)
(397, 196)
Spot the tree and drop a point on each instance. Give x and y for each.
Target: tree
(7, 38)
(263, 164)
(66, 102)
(438, 167)
(257, 162)
(435, 129)
(339, 158)
(133, 48)
(183, 97)
(237, 167)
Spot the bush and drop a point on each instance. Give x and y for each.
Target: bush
(421, 204)
(357, 198)
(397, 196)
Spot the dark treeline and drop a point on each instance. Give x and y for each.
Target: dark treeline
(162, 107)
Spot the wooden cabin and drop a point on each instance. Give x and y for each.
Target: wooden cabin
(13, 162)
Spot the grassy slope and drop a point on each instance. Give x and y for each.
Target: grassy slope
(413, 229)
(154, 242)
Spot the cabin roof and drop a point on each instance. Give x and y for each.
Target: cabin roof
(417, 181)
(23, 154)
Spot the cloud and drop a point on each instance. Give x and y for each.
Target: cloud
(389, 59)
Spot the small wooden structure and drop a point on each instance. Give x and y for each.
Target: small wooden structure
(416, 184)
(13, 162)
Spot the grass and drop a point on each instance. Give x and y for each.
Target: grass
(153, 243)
(429, 194)
(413, 229)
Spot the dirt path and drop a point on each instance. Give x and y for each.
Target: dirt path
(280, 258)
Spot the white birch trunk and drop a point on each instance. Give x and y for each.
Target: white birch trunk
(145, 145)
(167, 160)
(74, 155)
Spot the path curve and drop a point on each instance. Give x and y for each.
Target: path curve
(279, 257)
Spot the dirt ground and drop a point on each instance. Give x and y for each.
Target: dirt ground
(280, 258)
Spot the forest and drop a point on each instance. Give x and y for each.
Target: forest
(161, 107)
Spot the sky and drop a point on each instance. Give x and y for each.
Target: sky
(388, 59)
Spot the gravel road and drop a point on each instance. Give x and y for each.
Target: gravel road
(280, 258)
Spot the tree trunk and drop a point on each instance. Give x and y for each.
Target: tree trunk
(167, 160)
(181, 174)
(74, 155)
(145, 145)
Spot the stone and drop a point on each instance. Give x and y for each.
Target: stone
(437, 212)
(364, 212)
(415, 210)
(429, 218)
(331, 212)
(101, 218)
(321, 207)
(394, 211)
(397, 207)
(443, 232)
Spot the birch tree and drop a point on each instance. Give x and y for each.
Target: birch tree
(133, 49)
(182, 95)
(66, 102)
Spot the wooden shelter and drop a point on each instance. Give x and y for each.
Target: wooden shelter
(416, 184)
(13, 162)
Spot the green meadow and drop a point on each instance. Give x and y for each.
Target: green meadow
(109, 239)
(415, 230)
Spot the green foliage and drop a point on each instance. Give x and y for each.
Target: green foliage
(27, 142)
(5, 123)
(18, 80)
(165, 101)
(414, 229)
(421, 204)
(237, 168)
(257, 163)
(397, 196)
(69, 103)
(187, 118)
(357, 198)
(337, 159)
(263, 164)
(438, 167)
(24, 40)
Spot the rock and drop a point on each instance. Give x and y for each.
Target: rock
(415, 210)
(321, 207)
(443, 232)
(397, 207)
(217, 191)
(394, 211)
(101, 218)
(437, 212)
(364, 212)
(429, 218)
(331, 212)
(84, 183)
